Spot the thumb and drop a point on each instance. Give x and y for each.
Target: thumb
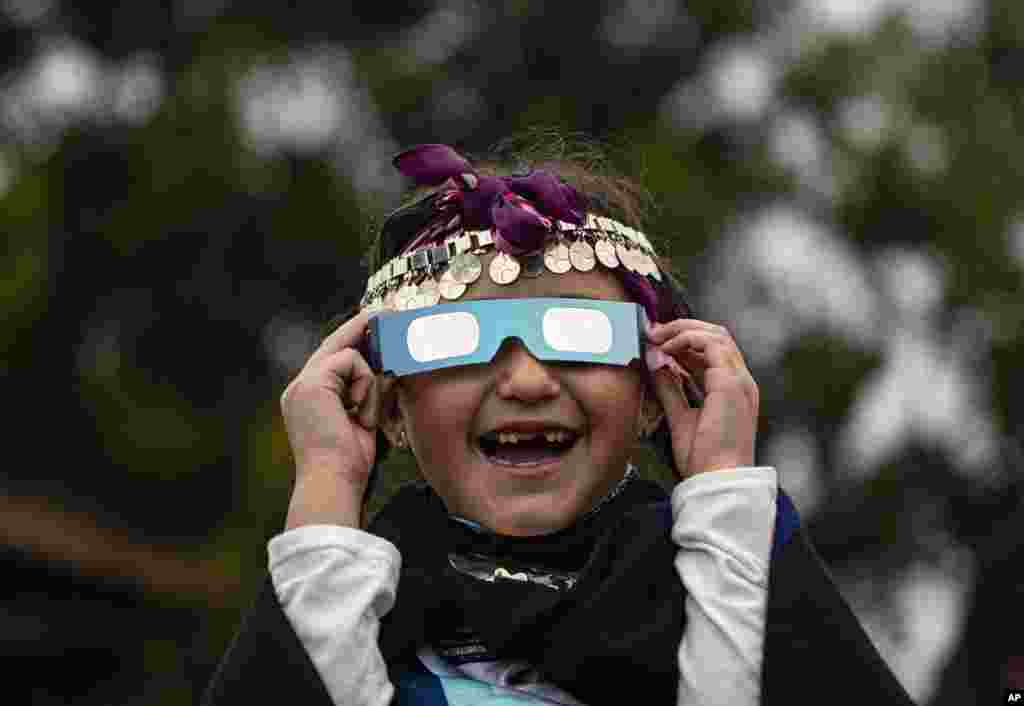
(681, 418)
(368, 402)
(669, 387)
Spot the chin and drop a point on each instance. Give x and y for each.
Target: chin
(534, 516)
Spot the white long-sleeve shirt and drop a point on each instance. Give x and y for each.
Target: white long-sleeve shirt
(336, 583)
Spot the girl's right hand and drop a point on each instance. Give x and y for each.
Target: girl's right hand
(330, 412)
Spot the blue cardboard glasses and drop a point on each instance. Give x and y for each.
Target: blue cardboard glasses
(471, 332)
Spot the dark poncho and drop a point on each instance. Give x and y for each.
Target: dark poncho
(619, 623)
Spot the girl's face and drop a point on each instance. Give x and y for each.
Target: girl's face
(445, 411)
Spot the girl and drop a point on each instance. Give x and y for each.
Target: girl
(518, 342)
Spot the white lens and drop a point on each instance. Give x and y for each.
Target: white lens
(443, 336)
(577, 330)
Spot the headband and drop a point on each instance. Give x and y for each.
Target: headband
(534, 220)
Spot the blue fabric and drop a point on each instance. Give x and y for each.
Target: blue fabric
(487, 323)
(415, 685)
(664, 511)
(464, 691)
(787, 520)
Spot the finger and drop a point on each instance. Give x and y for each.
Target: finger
(361, 399)
(702, 352)
(358, 391)
(668, 387)
(346, 372)
(681, 418)
(661, 332)
(345, 336)
(367, 410)
(715, 349)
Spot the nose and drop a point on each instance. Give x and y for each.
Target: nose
(521, 376)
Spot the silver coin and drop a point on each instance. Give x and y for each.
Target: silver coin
(466, 268)
(504, 269)
(606, 254)
(421, 301)
(405, 296)
(533, 265)
(637, 256)
(424, 298)
(649, 266)
(648, 263)
(625, 257)
(642, 239)
(451, 288)
(581, 255)
(638, 262)
(430, 293)
(556, 258)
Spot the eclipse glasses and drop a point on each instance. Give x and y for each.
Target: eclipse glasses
(470, 332)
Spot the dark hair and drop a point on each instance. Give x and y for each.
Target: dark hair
(578, 160)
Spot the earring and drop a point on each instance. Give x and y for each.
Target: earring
(403, 442)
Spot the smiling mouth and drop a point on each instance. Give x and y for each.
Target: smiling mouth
(527, 452)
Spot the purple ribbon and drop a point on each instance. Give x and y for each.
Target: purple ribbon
(520, 209)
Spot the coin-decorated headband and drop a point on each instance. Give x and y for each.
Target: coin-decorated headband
(535, 221)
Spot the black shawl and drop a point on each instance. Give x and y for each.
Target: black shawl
(619, 623)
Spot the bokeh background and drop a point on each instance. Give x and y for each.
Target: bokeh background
(186, 189)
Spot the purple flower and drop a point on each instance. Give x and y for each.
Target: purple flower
(518, 208)
(477, 203)
(477, 197)
(431, 164)
(553, 197)
(519, 228)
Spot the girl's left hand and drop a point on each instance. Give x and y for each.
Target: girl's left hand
(720, 434)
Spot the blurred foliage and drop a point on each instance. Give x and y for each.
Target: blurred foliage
(165, 275)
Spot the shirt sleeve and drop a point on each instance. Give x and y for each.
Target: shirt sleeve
(723, 523)
(312, 567)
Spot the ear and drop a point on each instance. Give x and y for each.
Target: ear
(389, 415)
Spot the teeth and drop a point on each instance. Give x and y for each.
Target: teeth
(513, 437)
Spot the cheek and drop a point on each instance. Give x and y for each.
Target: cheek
(611, 398)
(440, 412)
